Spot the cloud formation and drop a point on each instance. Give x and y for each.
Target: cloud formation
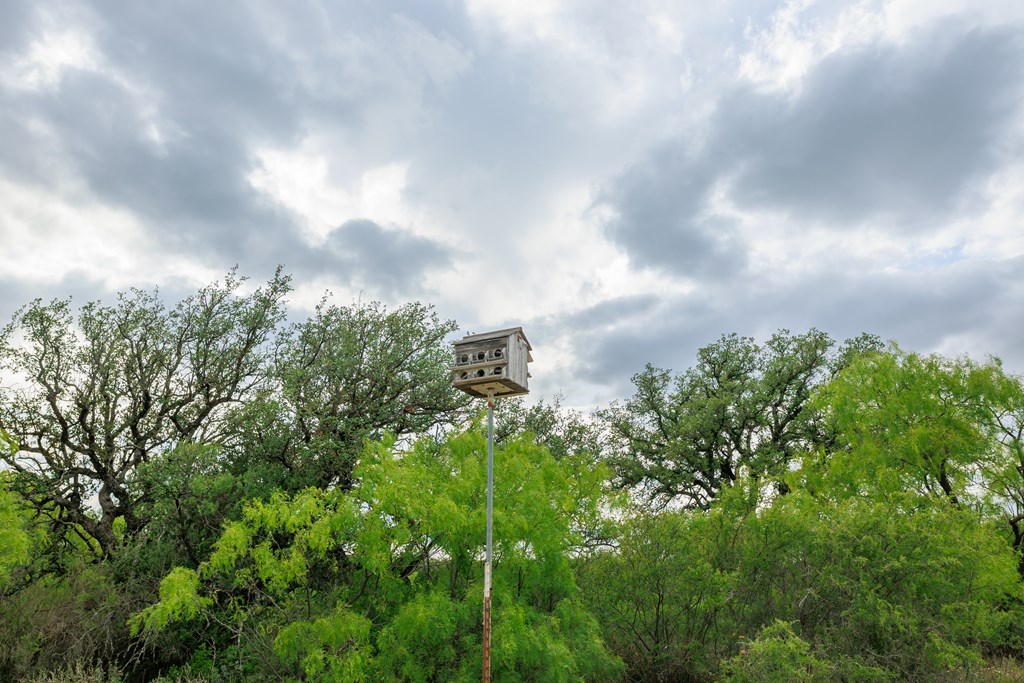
(388, 261)
(627, 182)
(896, 137)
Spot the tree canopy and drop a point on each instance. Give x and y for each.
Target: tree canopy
(742, 409)
(104, 393)
(217, 490)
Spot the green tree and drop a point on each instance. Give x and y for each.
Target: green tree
(900, 587)
(561, 430)
(192, 494)
(908, 422)
(1004, 473)
(944, 427)
(15, 540)
(742, 408)
(15, 537)
(345, 375)
(57, 621)
(777, 655)
(660, 596)
(103, 393)
(387, 573)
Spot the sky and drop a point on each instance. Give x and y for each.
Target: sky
(626, 180)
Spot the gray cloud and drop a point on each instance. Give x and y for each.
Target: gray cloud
(971, 307)
(15, 293)
(392, 262)
(171, 132)
(661, 216)
(80, 289)
(14, 16)
(886, 135)
(612, 311)
(176, 157)
(609, 341)
(499, 132)
(892, 134)
(922, 311)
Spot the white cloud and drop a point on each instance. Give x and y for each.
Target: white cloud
(786, 45)
(48, 58)
(301, 180)
(47, 239)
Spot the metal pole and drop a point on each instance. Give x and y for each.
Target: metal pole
(487, 559)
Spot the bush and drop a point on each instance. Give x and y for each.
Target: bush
(777, 655)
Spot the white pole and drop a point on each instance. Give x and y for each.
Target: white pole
(487, 559)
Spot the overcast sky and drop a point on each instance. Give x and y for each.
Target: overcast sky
(627, 180)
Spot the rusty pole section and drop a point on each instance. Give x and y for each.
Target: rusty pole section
(487, 560)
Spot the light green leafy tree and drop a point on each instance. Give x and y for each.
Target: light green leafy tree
(904, 584)
(388, 572)
(777, 655)
(660, 597)
(944, 427)
(15, 541)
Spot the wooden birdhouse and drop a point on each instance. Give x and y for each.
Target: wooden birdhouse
(493, 363)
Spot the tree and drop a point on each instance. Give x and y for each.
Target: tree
(660, 595)
(345, 375)
(1005, 473)
(743, 407)
(777, 655)
(383, 581)
(101, 395)
(15, 537)
(192, 494)
(900, 586)
(561, 430)
(945, 427)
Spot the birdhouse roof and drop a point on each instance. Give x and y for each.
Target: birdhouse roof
(497, 333)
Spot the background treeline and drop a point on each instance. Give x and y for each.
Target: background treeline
(207, 492)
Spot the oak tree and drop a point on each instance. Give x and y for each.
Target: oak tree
(742, 407)
(98, 394)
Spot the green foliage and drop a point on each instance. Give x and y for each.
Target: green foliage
(190, 497)
(334, 647)
(777, 655)
(560, 430)
(659, 596)
(943, 427)
(179, 599)
(909, 586)
(400, 550)
(15, 539)
(109, 389)
(742, 408)
(56, 623)
(807, 512)
(423, 640)
(908, 422)
(899, 589)
(532, 645)
(79, 673)
(347, 374)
